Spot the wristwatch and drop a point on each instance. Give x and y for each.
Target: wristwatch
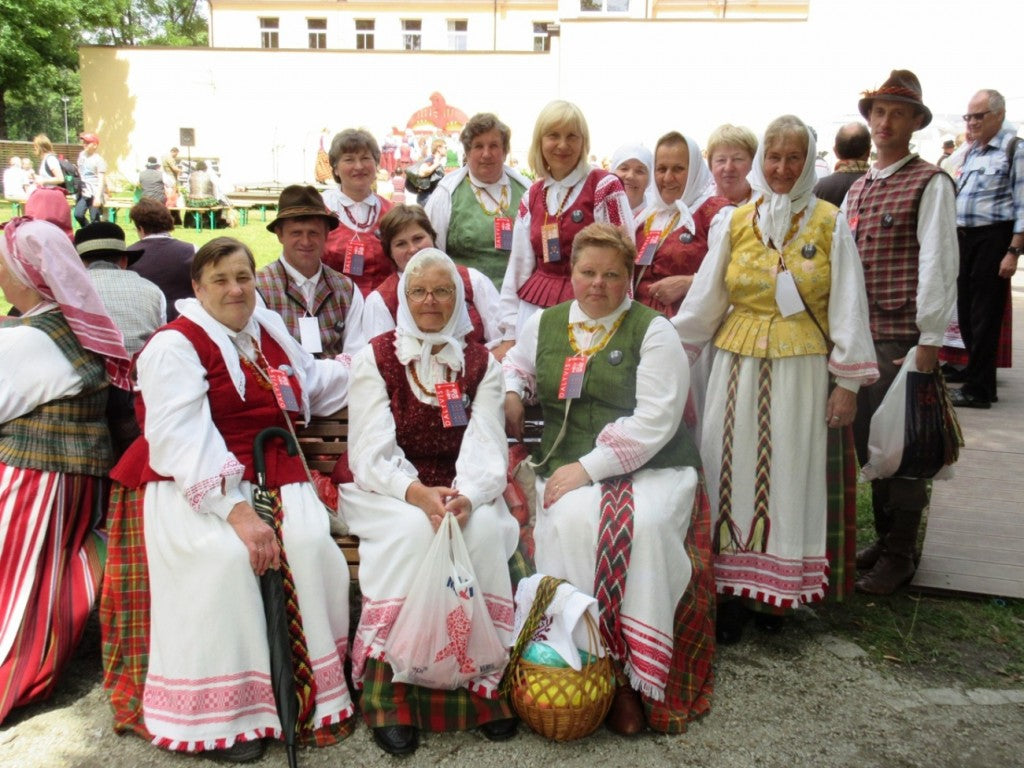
(1015, 250)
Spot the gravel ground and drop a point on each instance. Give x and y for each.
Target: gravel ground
(802, 698)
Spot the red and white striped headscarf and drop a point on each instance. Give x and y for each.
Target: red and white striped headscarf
(40, 256)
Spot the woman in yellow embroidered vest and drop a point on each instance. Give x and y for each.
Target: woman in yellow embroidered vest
(624, 515)
(54, 450)
(788, 268)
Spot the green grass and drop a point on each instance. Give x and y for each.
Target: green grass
(976, 640)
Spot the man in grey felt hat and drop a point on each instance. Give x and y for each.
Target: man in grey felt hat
(321, 307)
(902, 213)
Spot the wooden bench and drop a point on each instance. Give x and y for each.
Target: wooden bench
(322, 441)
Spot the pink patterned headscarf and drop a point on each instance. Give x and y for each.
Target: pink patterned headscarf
(40, 256)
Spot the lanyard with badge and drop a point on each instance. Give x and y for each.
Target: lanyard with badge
(550, 241)
(502, 221)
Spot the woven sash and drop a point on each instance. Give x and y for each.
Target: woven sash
(614, 543)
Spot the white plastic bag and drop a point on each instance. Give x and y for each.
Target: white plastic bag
(888, 429)
(444, 637)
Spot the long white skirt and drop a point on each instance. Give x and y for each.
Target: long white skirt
(566, 536)
(393, 538)
(793, 568)
(209, 670)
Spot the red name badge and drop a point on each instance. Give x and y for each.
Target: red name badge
(355, 257)
(453, 409)
(283, 390)
(503, 233)
(552, 245)
(645, 256)
(571, 386)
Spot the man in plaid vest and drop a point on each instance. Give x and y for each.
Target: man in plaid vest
(320, 306)
(903, 215)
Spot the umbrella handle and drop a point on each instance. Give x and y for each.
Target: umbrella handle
(258, 460)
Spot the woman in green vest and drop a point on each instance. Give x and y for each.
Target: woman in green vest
(623, 516)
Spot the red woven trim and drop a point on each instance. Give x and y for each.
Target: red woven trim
(893, 90)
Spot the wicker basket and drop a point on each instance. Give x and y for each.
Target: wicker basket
(559, 702)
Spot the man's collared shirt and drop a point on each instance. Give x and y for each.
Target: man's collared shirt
(989, 190)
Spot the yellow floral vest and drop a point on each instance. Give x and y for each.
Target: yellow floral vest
(755, 327)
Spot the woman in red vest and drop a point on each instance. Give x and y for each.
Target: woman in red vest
(354, 248)
(405, 230)
(567, 196)
(210, 382)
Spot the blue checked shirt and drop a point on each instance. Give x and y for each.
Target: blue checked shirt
(989, 190)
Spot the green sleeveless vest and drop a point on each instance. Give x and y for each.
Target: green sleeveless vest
(609, 391)
(67, 435)
(470, 230)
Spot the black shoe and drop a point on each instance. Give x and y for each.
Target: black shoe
(953, 375)
(500, 730)
(732, 615)
(769, 622)
(397, 739)
(962, 399)
(239, 752)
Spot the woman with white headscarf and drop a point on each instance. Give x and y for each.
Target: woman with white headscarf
(633, 164)
(673, 230)
(409, 466)
(781, 293)
(59, 357)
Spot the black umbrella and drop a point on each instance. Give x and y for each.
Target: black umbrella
(266, 502)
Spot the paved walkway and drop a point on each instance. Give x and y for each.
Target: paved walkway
(975, 534)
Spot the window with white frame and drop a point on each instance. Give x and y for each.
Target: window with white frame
(364, 34)
(268, 32)
(317, 29)
(412, 34)
(604, 6)
(541, 38)
(458, 32)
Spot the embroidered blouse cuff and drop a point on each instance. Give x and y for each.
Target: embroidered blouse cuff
(399, 485)
(596, 469)
(853, 385)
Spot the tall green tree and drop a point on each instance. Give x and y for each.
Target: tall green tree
(38, 40)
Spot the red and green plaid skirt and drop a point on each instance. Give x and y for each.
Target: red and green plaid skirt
(691, 679)
(388, 703)
(124, 620)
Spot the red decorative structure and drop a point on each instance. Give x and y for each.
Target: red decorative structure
(439, 116)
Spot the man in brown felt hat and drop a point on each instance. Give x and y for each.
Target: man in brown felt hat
(902, 213)
(320, 306)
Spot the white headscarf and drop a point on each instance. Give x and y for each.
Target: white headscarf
(643, 154)
(410, 342)
(699, 187)
(777, 211)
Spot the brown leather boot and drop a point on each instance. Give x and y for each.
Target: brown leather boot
(897, 563)
(867, 557)
(626, 717)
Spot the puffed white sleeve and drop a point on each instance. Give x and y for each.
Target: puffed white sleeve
(521, 263)
(439, 211)
(378, 464)
(852, 361)
(938, 259)
(487, 301)
(34, 372)
(611, 205)
(662, 384)
(376, 318)
(354, 336)
(519, 367)
(481, 469)
(184, 443)
(707, 302)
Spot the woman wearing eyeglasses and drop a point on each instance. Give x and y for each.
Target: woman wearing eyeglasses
(413, 460)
